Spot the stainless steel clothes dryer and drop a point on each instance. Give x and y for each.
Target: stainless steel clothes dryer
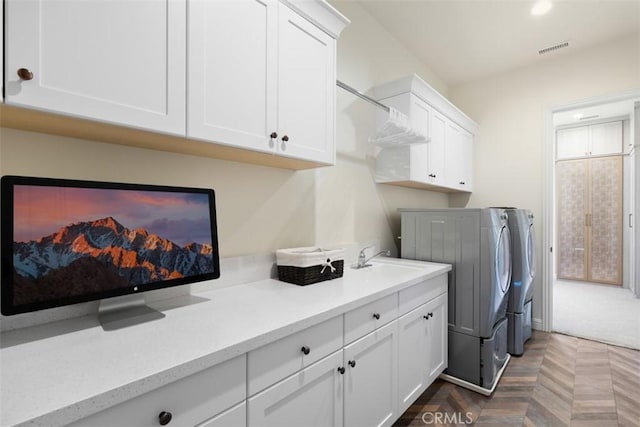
(522, 279)
(477, 243)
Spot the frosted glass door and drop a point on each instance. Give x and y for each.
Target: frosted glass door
(589, 224)
(572, 198)
(605, 220)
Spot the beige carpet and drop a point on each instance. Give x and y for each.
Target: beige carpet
(604, 313)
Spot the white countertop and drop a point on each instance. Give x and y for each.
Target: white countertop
(60, 372)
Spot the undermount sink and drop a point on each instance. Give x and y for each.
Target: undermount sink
(385, 265)
(399, 262)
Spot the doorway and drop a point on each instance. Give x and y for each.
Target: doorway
(590, 273)
(589, 201)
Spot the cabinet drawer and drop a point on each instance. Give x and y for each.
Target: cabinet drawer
(190, 400)
(417, 295)
(361, 321)
(234, 417)
(273, 362)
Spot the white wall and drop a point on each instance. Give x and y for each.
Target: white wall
(510, 110)
(262, 209)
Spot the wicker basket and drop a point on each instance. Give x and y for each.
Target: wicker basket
(304, 266)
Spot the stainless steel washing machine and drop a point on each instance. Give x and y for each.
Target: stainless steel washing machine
(522, 279)
(477, 243)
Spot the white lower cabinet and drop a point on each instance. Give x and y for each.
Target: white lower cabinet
(369, 317)
(379, 373)
(371, 379)
(422, 349)
(186, 402)
(273, 362)
(234, 417)
(311, 397)
(309, 378)
(436, 337)
(412, 356)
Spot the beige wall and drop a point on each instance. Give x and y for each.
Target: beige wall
(350, 206)
(510, 108)
(261, 209)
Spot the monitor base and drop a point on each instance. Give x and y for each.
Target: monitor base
(121, 312)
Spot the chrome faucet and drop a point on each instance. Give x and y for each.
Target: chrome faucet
(363, 260)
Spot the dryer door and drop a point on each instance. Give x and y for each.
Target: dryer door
(503, 259)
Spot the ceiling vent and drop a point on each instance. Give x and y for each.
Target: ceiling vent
(553, 48)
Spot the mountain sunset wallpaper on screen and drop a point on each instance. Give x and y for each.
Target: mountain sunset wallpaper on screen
(72, 241)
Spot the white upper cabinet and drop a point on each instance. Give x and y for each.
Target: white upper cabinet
(593, 140)
(606, 138)
(436, 149)
(262, 77)
(458, 158)
(573, 142)
(444, 163)
(114, 61)
(233, 72)
(306, 89)
(250, 77)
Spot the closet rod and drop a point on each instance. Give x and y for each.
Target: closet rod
(361, 95)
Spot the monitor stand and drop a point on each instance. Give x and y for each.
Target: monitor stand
(121, 312)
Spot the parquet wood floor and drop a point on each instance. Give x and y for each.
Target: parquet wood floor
(559, 381)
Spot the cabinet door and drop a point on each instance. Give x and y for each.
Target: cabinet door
(312, 397)
(466, 172)
(306, 89)
(371, 379)
(573, 142)
(436, 148)
(116, 61)
(453, 155)
(420, 115)
(412, 357)
(436, 337)
(232, 72)
(606, 138)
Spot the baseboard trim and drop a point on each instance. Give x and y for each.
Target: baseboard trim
(537, 324)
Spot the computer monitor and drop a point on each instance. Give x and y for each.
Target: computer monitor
(68, 241)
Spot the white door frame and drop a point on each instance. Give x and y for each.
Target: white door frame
(548, 210)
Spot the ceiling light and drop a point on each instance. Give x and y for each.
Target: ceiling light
(541, 7)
